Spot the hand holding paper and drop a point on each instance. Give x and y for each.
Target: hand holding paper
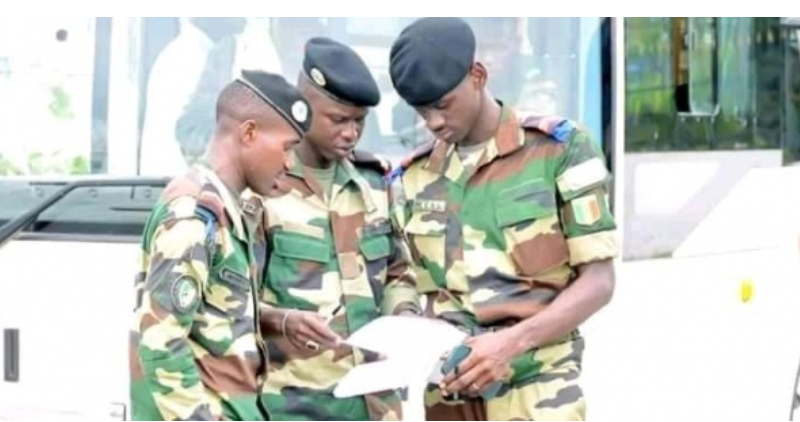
(412, 345)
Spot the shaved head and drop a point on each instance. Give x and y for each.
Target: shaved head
(240, 103)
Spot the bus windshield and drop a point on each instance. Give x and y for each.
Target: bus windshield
(72, 107)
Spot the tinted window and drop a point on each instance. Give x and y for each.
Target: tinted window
(710, 83)
(88, 213)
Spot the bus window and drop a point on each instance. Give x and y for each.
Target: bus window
(702, 65)
(538, 65)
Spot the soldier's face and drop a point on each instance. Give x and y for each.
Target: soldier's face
(266, 154)
(453, 116)
(336, 127)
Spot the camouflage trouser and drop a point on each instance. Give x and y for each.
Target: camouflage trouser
(553, 394)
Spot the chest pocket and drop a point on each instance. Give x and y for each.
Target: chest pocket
(296, 258)
(375, 243)
(527, 216)
(229, 308)
(375, 246)
(230, 292)
(427, 239)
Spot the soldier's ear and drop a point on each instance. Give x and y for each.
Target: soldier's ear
(247, 132)
(479, 75)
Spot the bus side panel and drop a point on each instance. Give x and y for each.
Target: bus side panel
(73, 317)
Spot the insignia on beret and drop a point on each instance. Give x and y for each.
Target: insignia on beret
(339, 72)
(184, 294)
(299, 111)
(317, 76)
(282, 96)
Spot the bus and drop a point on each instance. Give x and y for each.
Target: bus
(698, 117)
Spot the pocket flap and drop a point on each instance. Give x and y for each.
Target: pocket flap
(298, 246)
(515, 212)
(375, 247)
(529, 200)
(579, 179)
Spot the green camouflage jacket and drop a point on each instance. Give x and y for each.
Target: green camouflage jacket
(196, 348)
(322, 256)
(496, 244)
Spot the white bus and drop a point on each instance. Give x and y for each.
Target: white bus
(698, 118)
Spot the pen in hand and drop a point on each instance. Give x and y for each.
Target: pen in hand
(333, 314)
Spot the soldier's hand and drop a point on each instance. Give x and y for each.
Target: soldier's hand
(309, 331)
(488, 361)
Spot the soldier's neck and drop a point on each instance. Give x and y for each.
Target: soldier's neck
(488, 122)
(228, 172)
(311, 158)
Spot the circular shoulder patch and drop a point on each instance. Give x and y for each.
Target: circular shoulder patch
(184, 294)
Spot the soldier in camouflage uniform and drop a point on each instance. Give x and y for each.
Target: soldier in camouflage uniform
(335, 261)
(196, 348)
(509, 226)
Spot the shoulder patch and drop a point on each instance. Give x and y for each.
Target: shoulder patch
(184, 294)
(187, 198)
(373, 161)
(190, 185)
(420, 152)
(557, 128)
(208, 217)
(213, 203)
(185, 185)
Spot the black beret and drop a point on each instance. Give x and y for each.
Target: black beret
(430, 57)
(282, 96)
(338, 71)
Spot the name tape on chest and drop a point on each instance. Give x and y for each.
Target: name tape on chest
(430, 205)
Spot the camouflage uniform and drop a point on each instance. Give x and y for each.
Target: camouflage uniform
(323, 256)
(196, 348)
(494, 244)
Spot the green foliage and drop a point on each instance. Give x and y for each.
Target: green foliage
(7, 168)
(61, 104)
(40, 163)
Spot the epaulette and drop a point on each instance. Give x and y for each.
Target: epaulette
(209, 207)
(555, 127)
(420, 152)
(373, 161)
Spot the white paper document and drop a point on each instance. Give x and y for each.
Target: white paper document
(413, 347)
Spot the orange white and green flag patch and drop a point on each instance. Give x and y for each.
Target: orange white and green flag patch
(586, 210)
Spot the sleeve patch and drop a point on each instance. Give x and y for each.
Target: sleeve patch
(184, 294)
(582, 176)
(586, 210)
